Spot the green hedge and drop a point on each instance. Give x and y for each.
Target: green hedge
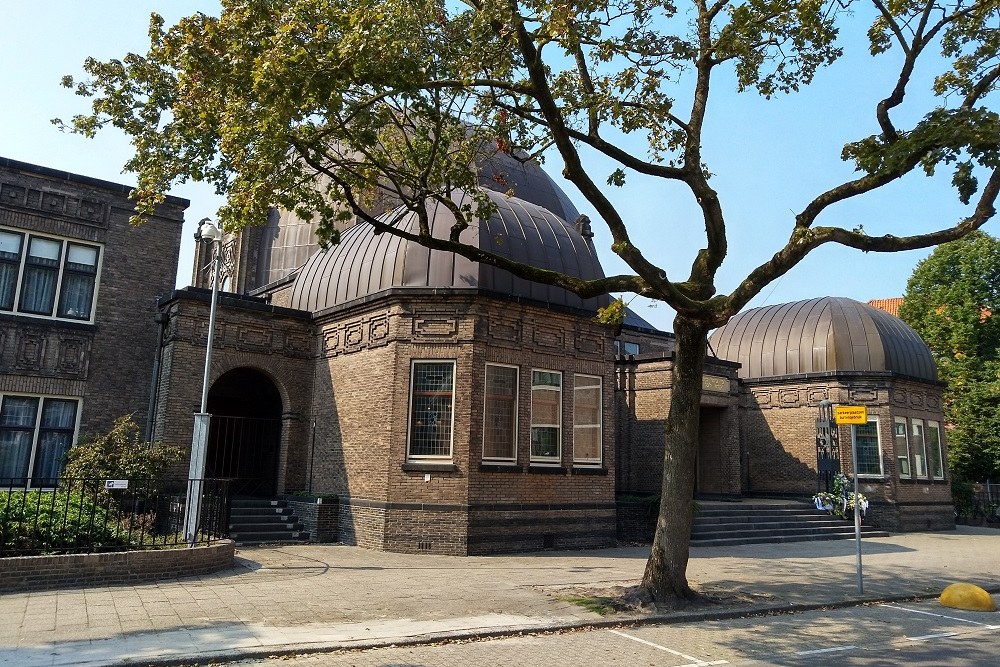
(34, 522)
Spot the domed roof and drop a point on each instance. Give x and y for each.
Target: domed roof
(366, 263)
(288, 241)
(819, 336)
(525, 179)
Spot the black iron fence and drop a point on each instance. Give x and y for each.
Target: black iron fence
(980, 505)
(91, 515)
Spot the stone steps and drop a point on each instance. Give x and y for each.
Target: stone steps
(721, 524)
(264, 521)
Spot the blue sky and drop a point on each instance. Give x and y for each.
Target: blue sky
(769, 158)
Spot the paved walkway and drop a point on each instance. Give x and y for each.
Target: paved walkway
(318, 597)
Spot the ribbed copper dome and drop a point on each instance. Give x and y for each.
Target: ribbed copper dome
(819, 336)
(365, 263)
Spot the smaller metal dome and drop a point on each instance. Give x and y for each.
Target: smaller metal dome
(366, 263)
(819, 336)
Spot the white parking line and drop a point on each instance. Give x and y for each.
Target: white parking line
(928, 613)
(935, 636)
(834, 649)
(695, 662)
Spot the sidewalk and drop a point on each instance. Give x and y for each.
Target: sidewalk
(319, 597)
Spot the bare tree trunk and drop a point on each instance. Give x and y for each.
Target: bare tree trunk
(666, 570)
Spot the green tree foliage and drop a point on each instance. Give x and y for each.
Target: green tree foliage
(953, 301)
(338, 108)
(121, 453)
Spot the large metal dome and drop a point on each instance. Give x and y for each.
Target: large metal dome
(820, 336)
(288, 241)
(365, 263)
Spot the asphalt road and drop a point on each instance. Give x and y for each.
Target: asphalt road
(919, 633)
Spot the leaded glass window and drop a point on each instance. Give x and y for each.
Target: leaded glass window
(586, 419)
(432, 396)
(869, 451)
(500, 413)
(546, 416)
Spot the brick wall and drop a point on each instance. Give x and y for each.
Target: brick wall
(33, 573)
(278, 343)
(642, 399)
(779, 434)
(319, 519)
(108, 363)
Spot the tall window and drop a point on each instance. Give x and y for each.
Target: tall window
(500, 414)
(432, 395)
(546, 416)
(919, 448)
(79, 276)
(902, 446)
(869, 451)
(47, 276)
(10, 267)
(35, 433)
(934, 450)
(586, 419)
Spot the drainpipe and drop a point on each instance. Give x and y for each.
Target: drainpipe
(154, 391)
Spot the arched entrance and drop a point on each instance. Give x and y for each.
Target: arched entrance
(244, 440)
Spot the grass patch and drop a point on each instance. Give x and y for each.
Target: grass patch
(599, 604)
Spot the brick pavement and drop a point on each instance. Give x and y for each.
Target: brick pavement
(322, 596)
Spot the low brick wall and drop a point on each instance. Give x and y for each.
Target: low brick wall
(36, 573)
(636, 521)
(318, 519)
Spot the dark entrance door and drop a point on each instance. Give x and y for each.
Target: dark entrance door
(244, 440)
(709, 480)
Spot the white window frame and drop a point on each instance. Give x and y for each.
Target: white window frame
(898, 422)
(878, 442)
(532, 457)
(920, 458)
(436, 458)
(64, 247)
(36, 429)
(577, 427)
(940, 447)
(517, 392)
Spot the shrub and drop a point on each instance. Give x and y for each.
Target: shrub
(34, 522)
(121, 453)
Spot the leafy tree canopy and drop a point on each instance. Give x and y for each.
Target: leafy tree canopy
(953, 301)
(325, 106)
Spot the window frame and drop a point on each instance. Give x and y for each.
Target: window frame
(37, 430)
(900, 458)
(534, 458)
(872, 419)
(940, 448)
(429, 458)
(578, 460)
(511, 460)
(62, 272)
(920, 458)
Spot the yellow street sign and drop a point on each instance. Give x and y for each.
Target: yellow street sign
(850, 414)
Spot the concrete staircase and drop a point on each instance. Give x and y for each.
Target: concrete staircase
(263, 521)
(719, 524)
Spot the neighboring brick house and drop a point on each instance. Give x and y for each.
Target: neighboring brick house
(78, 291)
(453, 408)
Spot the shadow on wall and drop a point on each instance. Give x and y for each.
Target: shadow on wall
(769, 467)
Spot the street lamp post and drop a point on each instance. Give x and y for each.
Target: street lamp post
(208, 233)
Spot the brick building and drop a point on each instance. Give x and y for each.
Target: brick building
(453, 408)
(78, 292)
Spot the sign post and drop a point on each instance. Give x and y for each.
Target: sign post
(854, 414)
